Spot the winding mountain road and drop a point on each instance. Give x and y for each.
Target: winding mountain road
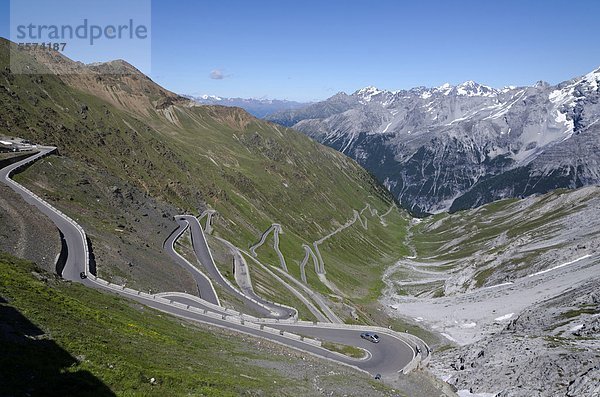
(276, 229)
(206, 289)
(76, 243)
(251, 300)
(394, 354)
(308, 254)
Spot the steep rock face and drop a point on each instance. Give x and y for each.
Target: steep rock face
(456, 147)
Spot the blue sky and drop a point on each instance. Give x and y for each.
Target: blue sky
(309, 50)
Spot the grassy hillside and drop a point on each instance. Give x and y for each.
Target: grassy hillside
(59, 339)
(134, 155)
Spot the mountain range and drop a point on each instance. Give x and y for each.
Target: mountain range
(257, 107)
(455, 147)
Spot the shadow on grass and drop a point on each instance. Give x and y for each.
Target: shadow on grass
(33, 365)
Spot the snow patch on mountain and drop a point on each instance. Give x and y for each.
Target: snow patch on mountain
(471, 88)
(211, 97)
(366, 94)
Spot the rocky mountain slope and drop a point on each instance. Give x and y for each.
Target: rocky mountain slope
(257, 107)
(457, 147)
(514, 284)
(550, 349)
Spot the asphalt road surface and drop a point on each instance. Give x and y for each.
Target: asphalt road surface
(205, 288)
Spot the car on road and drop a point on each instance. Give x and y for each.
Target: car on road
(83, 275)
(370, 336)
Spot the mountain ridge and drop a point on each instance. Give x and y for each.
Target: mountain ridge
(432, 146)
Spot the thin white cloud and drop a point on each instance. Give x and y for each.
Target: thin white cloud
(218, 74)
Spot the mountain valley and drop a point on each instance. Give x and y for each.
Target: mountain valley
(470, 238)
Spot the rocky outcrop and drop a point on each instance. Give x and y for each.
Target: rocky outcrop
(550, 349)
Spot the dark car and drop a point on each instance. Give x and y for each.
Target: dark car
(370, 336)
(83, 275)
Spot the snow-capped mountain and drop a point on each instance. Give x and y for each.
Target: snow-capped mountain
(257, 107)
(455, 147)
(208, 98)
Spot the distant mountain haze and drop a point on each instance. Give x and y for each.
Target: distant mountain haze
(257, 107)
